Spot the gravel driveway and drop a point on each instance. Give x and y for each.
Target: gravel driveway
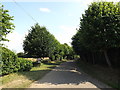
(67, 75)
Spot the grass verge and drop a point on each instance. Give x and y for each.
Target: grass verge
(106, 75)
(24, 79)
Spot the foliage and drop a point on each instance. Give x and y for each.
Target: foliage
(99, 30)
(100, 26)
(65, 50)
(54, 49)
(6, 26)
(10, 63)
(62, 51)
(24, 64)
(39, 42)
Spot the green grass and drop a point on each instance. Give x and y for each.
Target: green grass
(104, 74)
(24, 79)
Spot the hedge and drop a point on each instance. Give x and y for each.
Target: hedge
(24, 64)
(11, 63)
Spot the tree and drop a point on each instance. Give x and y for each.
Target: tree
(66, 51)
(54, 49)
(6, 26)
(77, 43)
(79, 46)
(39, 42)
(100, 27)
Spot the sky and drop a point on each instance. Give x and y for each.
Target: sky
(60, 17)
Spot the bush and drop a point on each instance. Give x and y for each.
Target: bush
(24, 64)
(11, 63)
(8, 62)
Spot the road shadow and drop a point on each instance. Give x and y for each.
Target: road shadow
(69, 73)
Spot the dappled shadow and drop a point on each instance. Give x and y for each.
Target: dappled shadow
(69, 73)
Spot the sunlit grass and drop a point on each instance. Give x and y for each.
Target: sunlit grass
(24, 79)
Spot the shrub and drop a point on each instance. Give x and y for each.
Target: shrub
(24, 64)
(11, 63)
(8, 62)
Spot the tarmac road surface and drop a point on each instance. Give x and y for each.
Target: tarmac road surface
(67, 75)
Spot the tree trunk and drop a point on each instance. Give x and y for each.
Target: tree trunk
(107, 58)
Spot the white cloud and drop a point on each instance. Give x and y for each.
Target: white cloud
(16, 41)
(45, 10)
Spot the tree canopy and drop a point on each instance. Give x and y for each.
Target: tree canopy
(6, 26)
(100, 25)
(39, 42)
(99, 28)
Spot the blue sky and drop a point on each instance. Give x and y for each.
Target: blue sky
(60, 18)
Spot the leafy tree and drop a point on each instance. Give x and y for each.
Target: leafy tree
(76, 43)
(99, 28)
(54, 48)
(66, 51)
(6, 26)
(39, 42)
(71, 54)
